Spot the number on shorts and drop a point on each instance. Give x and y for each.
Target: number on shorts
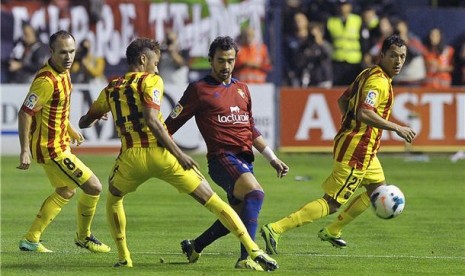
(69, 164)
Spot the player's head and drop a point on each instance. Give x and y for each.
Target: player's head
(222, 57)
(393, 54)
(143, 55)
(63, 49)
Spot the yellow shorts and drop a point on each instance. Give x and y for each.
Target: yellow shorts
(136, 165)
(344, 180)
(67, 170)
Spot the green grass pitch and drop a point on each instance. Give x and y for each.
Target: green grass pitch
(428, 238)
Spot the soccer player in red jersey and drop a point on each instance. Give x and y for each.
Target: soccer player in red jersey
(45, 133)
(366, 106)
(222, 108)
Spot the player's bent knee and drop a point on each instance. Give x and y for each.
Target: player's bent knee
(92, 186)
(65, 192)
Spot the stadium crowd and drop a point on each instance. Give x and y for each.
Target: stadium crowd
(323, 44)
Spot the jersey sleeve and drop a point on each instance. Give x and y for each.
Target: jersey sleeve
(185, 109)
(152, 91)
(374, 92)
(40, 92)
(100, 106)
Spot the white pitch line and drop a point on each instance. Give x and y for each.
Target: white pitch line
(329, 255)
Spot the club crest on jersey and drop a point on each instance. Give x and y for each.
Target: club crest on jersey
(156, 97)
(176, 111)
(241, 92)
(31, 100)
(371, 98)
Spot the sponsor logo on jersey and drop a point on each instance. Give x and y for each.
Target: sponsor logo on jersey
(31, 100)
(371, 98)
(235, 117)
(157, 97)
(176, 111)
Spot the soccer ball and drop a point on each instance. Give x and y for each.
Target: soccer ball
(387, 201)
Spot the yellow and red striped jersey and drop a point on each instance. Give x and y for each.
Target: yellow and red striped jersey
(48, 102)
(357, 143)
(126, 97)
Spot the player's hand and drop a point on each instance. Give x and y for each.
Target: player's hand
(76, 136)
(104, 117)
(187, 162)
(24, 160)
(406, 133)
(281, 168)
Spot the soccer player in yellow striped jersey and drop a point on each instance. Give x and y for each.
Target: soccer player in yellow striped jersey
(147, 150)
(45, 134)
(366, 106)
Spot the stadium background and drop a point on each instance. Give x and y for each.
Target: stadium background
(291, 119)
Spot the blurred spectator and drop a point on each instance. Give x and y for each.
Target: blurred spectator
(252, 62)
(294, 66)
(173, 61)
(414, 70)
(318, 55)
(88, 68)
(7, 41)
(344, 33)
(27, 56)
(386, 29)
(307, 56)
(439, 60)
(370, 31)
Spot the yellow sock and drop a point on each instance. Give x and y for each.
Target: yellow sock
(306, 214)
(87, 204)
(355, 208)
(117, 219)
(232, 221)
(49, 210)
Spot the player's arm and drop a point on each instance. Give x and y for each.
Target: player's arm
(97, 111)
(40, 92)
(371, 118)
(24, 128)
(281, 168)
(75, 135)
(151, 118)
(343, 102)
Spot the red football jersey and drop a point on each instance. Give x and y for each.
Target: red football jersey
(223, 114)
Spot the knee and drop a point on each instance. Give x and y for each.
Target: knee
(333, 205)
(92, 186)
(65, 192)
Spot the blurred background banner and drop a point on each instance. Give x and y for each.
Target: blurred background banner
(110, 25)
(310, 118)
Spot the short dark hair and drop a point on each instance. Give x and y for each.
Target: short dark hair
(392, 40)
(139, 46)
(59, 34)
(224, 43)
